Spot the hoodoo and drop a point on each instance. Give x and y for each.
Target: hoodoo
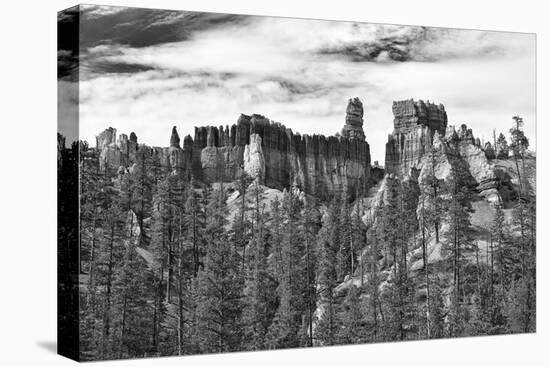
(353, 129)
(267, 150)
(414, 126)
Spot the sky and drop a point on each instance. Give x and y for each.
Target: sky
(146, 70)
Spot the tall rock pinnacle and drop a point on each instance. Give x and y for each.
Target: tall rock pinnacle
(353, 128)
(175, 138)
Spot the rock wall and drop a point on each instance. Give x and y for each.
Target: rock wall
(268, 150)
(280, 157)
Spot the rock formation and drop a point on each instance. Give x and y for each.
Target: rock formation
(280, 157)
(422, 127)
(353, 129)
(415, 123)
(263, 149)
(115, 153)
(174, 138)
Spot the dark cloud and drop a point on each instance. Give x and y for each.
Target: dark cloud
(90, 34)
(136, 27)
(401, 47)
(67, 44)
(298, 88)
(102, 67)
(420, 44)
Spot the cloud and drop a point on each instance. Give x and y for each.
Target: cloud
(281, 68)
(390, 43)
(139, 27)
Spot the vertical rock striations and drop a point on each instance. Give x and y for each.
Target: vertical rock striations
(415, 123)
(281, 158)
(264, 149)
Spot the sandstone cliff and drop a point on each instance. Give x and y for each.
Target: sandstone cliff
(263, 149)
(423, 127)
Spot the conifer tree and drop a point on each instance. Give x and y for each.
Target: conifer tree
(346, 254)
(326, 332)
(311, 226)
(432, 189)
(438, 312)
(131, 306)
(288, 326)
(458, 242)
(352, 330)
(374, 280)
(258, 288)
(110, 256)
(220, 284)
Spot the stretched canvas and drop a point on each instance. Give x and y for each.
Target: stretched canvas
(234, 183)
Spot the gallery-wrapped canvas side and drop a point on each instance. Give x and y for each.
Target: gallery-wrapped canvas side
(67, 183)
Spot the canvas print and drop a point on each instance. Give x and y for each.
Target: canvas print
(243, 183)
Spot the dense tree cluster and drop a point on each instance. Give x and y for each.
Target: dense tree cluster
(167, 269)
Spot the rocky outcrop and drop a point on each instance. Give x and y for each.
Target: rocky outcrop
(106, 138)
(353, 129)
(253, 159)
(263, 149)
(114, 153)
(409, 114)
(280, 157)
(420, 128)
(174, 138)
(415, 123)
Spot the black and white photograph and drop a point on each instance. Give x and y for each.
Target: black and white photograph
(288, 183)
(252, 183)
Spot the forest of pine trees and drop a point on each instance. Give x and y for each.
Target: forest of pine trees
(168, 269)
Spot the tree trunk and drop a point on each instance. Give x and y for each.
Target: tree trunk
(426, 276)
(123, 327)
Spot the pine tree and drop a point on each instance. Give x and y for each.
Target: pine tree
(346, 254)
(500, 236)
(275, 230)
(110, 255)
(258, 289)
(329, 239)
(288, 324)
(501, 146)
(432, 190)
(351, 317)
(374, 280)
(220, 284)
(519, 144)
(458, 242)
(131, 306)
(438, 310)
(195, 222)
(424, 230)
(311, 226)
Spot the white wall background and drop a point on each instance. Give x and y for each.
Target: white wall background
(28, 183)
